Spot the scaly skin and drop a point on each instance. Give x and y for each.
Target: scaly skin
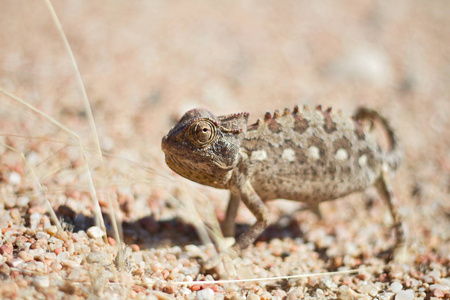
(306, 155)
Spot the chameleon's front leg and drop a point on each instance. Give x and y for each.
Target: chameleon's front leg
(259, 209)
(241, 189)
(229, 224)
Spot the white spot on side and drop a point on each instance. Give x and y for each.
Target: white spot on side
(314, 152)
(288, 154)
(258, 155)
(362, 160)
(341, 154)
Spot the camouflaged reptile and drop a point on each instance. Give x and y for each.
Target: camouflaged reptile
(306, 155)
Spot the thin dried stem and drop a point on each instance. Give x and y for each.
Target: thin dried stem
(39, 187)
(273, 278)
(88, 109)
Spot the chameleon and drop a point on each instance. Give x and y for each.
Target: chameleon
(306, 154)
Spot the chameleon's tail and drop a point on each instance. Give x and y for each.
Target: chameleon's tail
(395, 153)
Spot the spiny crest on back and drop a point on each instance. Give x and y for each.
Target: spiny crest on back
(301, 123)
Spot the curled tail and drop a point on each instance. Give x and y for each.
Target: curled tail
(393, 156)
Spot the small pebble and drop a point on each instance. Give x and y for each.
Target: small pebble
(404, 295)
(35, 219)
(23, 201)
(205, 294)
(14, 178)
(6, 249)
(252, 297)
(169, 289)
(15, 262)
(56, 266)
(97, 257)
(15, 215)
(5, 269)
(111, 241)
(42, 235)
(438, 293)
(62, 235)
(26, 256)
(368, 288)
(442, 287)
(41, 282)
(156, 267)
(69, 263)
(185, 291)
(71, 248)
(95, 232)
(76, 274)
(40, 267)
(51, 230)
(347, 293)
(396, 286)
(386, 296)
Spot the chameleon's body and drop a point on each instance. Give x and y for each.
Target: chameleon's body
(306, 155)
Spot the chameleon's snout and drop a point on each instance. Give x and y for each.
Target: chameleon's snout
(165, 144)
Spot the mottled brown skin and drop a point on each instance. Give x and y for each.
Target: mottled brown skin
(306, 155)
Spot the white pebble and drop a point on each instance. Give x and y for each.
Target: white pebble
(386, 296)
(62, 255)
(69, 263)
(14, 178)
(442, 287)
(15, 262)
(22, 201)
(185, 291)
(404, 295)
(368, 288)
(97, 257)
(396, 286)
(95, 232)
(35, 219)
(71, 248)
(205, 294)
(41, 282)
(40, 267)
(42, 234)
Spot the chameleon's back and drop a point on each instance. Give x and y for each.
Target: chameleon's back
(309, 155)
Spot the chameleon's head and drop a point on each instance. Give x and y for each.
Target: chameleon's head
(205, 148)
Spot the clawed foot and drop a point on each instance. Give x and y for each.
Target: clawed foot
(398, 254)
(223, 257)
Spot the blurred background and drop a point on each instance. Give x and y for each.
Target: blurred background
(144, 63)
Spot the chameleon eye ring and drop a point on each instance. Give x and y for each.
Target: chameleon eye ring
(202, 132)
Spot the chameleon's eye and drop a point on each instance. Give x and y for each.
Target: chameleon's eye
(202, 132)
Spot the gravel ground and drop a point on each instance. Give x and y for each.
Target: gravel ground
(143, 65)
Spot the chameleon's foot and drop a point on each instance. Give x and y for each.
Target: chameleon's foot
(224, 256)
(400, 254)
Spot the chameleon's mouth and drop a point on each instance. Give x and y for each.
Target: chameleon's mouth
(185, 170)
